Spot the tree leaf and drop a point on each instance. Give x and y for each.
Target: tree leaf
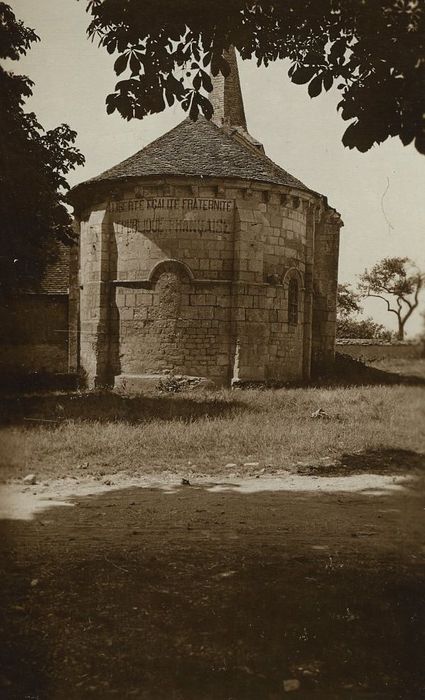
(338, 48)
(207, 59)
(357, 136)
(420, 143)
(206, 81)
(303, 74)
(194, 109)
(169, 96)
(110, 106)
(134, 64)
(215, 65)
(315, 87)
(206, 106)
(327, 81)
(224, 67)
(121, 64)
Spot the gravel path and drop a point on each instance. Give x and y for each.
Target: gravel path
(218, 590)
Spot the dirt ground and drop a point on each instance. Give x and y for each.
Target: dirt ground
(304, 586)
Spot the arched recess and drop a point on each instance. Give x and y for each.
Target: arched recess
(294, 285)
(291, 273)
(169, 279)
(172, 266)
(154, 330)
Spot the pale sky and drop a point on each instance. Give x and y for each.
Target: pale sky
(380, 194)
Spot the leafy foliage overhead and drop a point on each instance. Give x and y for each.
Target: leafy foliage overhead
(372, 51)
(33, 166)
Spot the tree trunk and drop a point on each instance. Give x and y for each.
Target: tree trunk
(400, 333)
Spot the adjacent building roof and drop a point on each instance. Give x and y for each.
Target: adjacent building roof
(55, 279)
(56, 276)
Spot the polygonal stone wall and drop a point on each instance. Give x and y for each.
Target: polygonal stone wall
(192, 277)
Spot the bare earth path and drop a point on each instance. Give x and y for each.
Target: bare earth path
(215, 592)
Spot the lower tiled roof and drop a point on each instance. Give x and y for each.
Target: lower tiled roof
(56, 275)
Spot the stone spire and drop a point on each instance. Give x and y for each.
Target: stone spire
(226, 97)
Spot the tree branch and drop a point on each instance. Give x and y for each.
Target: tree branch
(407, 302)
(408, 315)
(418, 289)
(378, 296)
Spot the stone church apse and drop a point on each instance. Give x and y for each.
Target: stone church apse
(200, 257)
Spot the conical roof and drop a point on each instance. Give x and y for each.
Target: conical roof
(220, 148)
(199, 149)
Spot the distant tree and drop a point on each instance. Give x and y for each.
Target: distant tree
(373, 52)
(347, 301)
(33, 165)
(348, 323)
(398, 282)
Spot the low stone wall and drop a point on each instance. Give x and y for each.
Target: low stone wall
(34, 335)
(375, 350)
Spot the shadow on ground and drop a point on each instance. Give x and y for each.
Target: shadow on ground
(199, 595)
(381, 461)
(348, 371)
(108, 406)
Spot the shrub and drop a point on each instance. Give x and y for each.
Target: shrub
(365, 328)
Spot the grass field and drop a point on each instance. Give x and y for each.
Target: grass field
(273, 428)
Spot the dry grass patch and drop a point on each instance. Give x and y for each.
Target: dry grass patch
(273, 428)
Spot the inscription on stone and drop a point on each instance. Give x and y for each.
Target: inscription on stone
(157, 215)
